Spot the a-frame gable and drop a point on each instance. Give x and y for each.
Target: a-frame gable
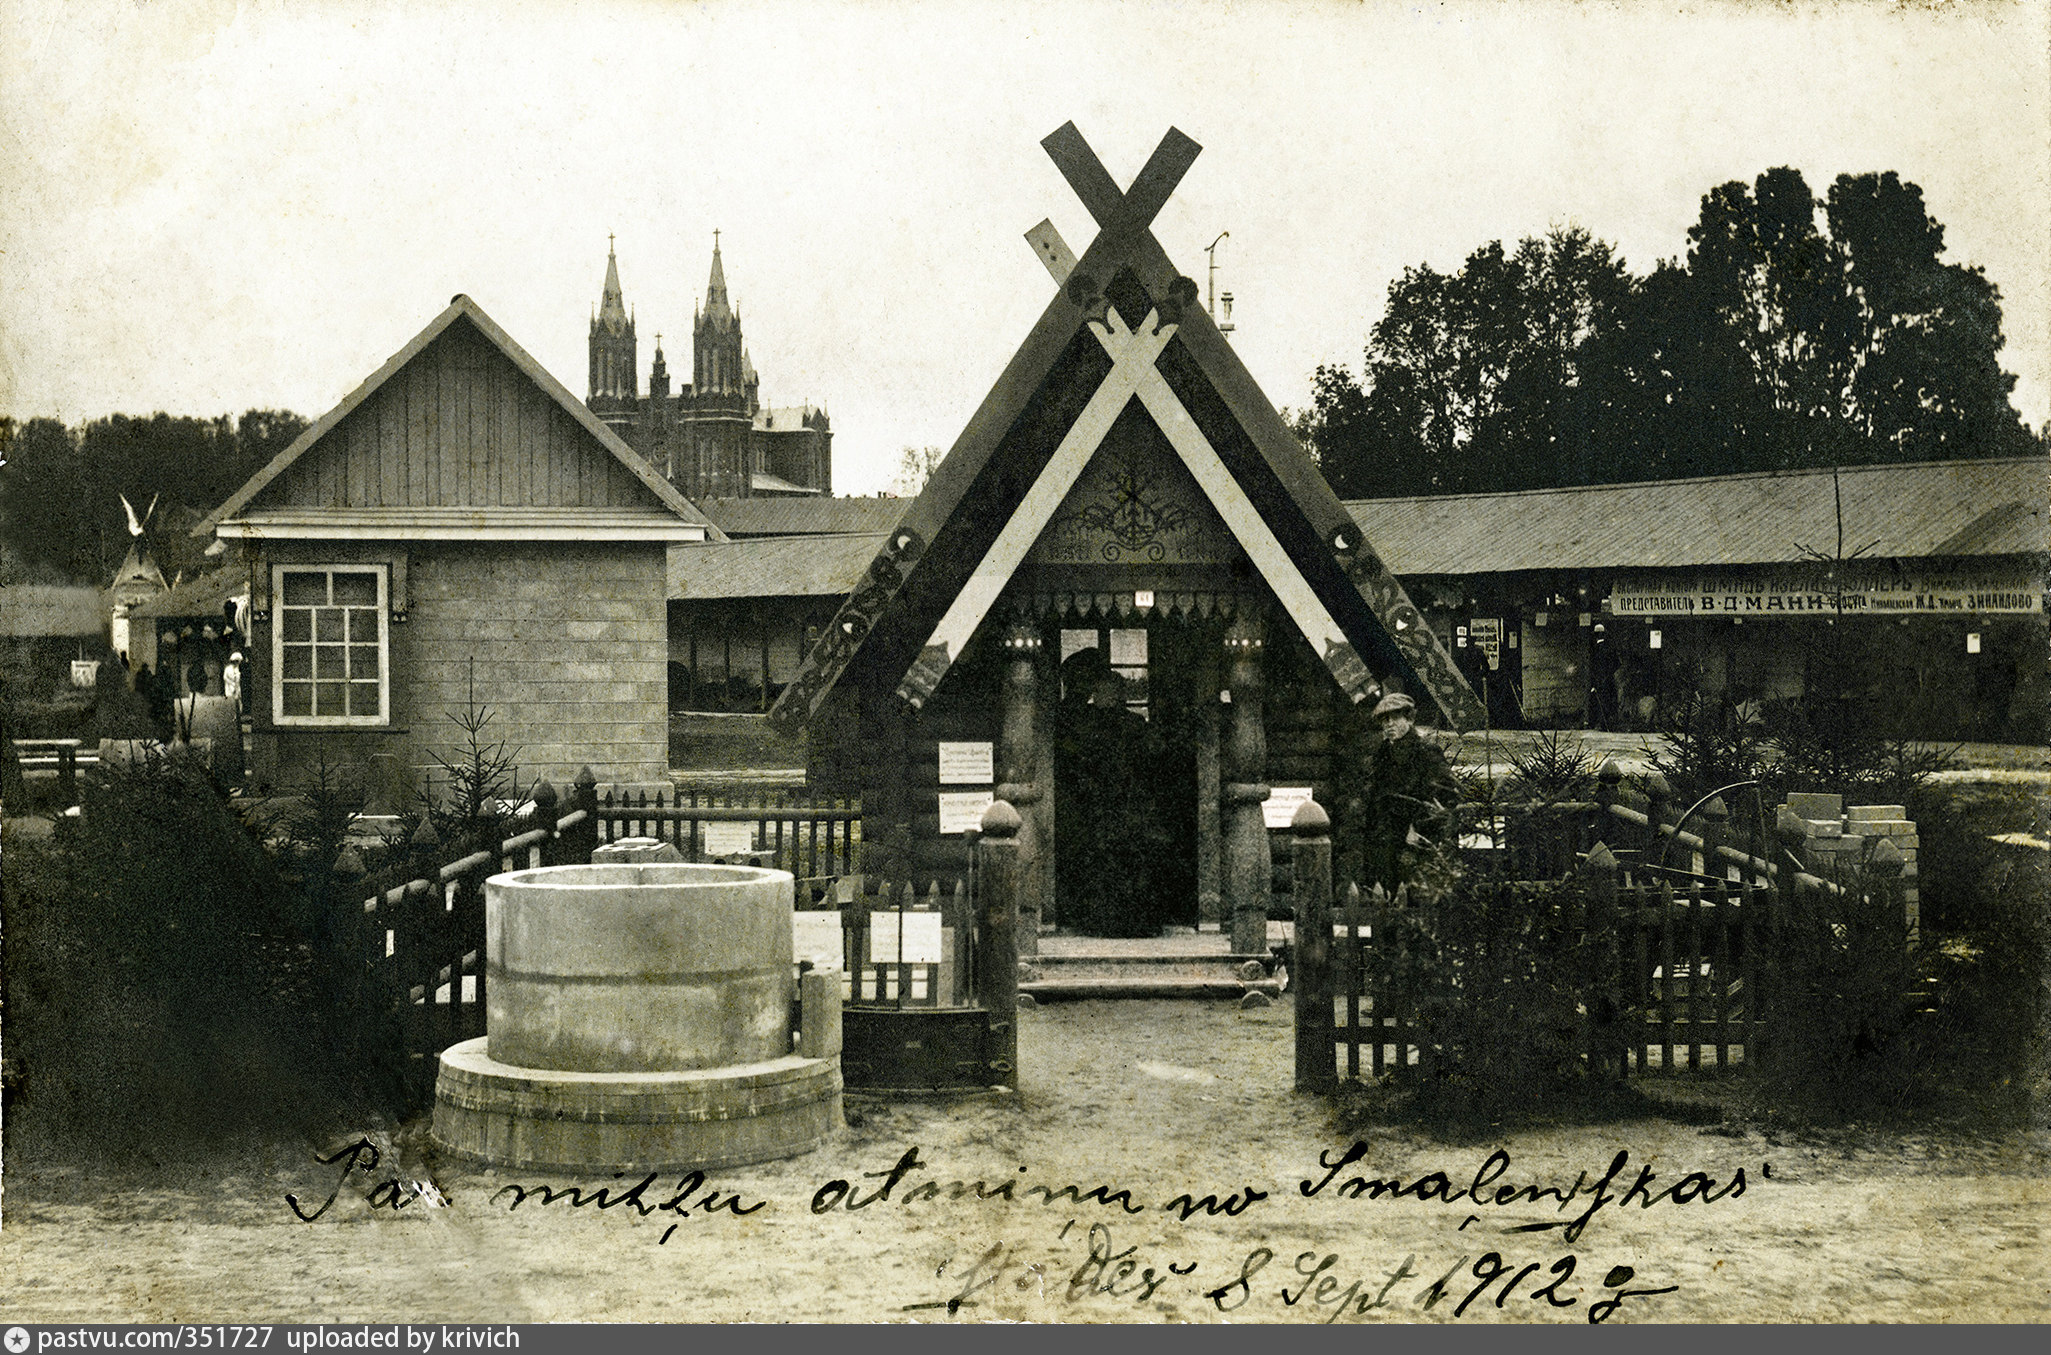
(1124, 328)
(460, 433)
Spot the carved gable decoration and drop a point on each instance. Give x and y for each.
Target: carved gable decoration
(1136, 503)
(1124, 433)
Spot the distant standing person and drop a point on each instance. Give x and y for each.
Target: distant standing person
(1410, 794)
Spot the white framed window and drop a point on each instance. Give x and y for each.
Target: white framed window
(331, 645)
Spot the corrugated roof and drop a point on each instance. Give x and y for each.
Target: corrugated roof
(1929, 508)
(34, 609)
(803, 516)
(781, 566)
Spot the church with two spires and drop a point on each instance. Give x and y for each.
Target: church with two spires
(713, 437)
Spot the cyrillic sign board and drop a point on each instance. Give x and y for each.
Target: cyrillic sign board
(1809, 591)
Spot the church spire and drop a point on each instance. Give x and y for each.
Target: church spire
(612, 307)
(614, 383)
(716, 307)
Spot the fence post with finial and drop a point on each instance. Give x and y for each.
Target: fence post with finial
(1310, 957)
(1882, 873)
(1659, 798)
(1609, 779)
(1604, 973)
(997, 940)
(1716, 821)
(580, 839)
(546, 813)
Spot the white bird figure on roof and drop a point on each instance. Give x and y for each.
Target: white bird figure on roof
(135, 526)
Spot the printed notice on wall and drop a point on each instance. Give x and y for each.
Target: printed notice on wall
(920, 937)
(967, 764)
(725, 839)
(815, 936)
(961, 811)
(1281, 804)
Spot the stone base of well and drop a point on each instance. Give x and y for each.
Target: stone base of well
(538, 1119)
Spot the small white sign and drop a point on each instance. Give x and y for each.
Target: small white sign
(1488, 635)
(1280, 806)
(921, 938)
(815, 936)
(1654, 639)
(724, 839)
(961, 811)
(1972, 642)
(967, 764)
(1143, 597)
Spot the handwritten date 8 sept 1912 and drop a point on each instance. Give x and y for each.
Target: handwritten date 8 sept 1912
(1318, 1284)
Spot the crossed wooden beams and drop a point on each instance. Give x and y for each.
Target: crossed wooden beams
(1117, 213)
(1125, 240)
(1126, 218)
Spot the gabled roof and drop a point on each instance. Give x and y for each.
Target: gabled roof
(1926, 508)
(1124, 326)
(201, 596)
(770, 567)
(462, 308)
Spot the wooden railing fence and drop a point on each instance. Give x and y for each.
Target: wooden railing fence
(904, 948)
(817, 840)
(1680, 968)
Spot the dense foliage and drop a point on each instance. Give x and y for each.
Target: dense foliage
(61, 488)
(170, 977)
(1506, 975)
(1798, 333)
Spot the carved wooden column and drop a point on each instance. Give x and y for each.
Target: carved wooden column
(1243, 762)
(1018, 749)
(1210, 894)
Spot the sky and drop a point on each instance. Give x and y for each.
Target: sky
(213, 206)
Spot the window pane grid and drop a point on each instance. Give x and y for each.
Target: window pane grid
(330, 645)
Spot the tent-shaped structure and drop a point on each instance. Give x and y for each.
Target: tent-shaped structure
(1125, 485)
(459, 533)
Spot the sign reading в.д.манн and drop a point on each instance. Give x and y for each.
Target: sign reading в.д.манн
(1808, 591)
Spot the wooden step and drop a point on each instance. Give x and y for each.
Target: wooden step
(1166, 973)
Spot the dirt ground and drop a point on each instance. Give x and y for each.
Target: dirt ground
(1158, 1099)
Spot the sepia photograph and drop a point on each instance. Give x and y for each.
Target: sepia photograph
(1214, 663)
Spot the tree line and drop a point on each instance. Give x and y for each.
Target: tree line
(1797, 333)
(61, 487)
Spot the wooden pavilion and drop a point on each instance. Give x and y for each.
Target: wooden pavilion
(1126, 485)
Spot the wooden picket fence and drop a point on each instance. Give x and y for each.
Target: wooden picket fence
(903, 948)
(1693, 974)
(818, 840)
(1681, 970)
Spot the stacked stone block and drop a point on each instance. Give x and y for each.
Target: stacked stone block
(1841, 839)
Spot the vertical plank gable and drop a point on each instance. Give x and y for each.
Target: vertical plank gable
(391, 447)
(458, 426)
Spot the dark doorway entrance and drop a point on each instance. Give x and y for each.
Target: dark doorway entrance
(1126, 734)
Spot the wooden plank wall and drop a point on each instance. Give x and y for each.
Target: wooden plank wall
(459, 426)
(900, 767)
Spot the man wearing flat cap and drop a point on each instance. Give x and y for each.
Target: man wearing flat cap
(1402, 798)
